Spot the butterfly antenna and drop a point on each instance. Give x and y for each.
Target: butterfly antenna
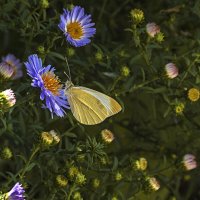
(67, 75)
(68, 69)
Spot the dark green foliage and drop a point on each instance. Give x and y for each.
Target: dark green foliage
(147, 127)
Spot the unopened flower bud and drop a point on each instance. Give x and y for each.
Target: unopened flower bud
(114, 198)
(193, 94)
(41, 50)
(189, 162)
(140, 164)
(96, 183)
(159, 37)
(118, 176)
(137, 15)
(107, 136)
(152, 29)
(73, 171)
(10, 67)
(80, 179)
(6, 71)
(7, 99)
(171, 70)
(179, 108)
(56, 137)
(99, 56)
(77, 196)
(61, 181)
(125, 71)
(153, 183)
(44, 4)
(6, 153)
(46, 138)
(70, 52)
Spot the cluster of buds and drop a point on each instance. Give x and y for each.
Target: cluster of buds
(153, 30)
(49, 138)
(76, 176)
(7, 100)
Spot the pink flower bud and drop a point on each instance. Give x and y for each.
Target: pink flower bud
(171, 70)
(189, 161)
(152, 29)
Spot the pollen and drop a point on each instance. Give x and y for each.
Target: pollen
(51, 83)
(75, 30)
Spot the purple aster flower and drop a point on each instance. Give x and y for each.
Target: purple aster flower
(77, 26)
(10, 67)
(48, 82)
(16, 193)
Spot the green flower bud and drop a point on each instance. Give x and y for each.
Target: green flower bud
(137, 15)
(96, 183)
(61, 181)
(44, 4)
(125, 71)
(6, 153)
(118, 176)
(80, 179)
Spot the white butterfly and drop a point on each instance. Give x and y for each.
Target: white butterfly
(89, 106)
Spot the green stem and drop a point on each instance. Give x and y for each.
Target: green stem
(135, 87)
(29, 160)
(115, 83)
(71, 191)
(102, 10)
(186, 73)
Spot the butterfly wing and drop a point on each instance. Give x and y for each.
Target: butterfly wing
(89, 106)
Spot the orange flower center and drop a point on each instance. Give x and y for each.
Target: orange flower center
(75, 30)
(51, 83)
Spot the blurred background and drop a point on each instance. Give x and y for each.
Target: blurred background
(159, 121)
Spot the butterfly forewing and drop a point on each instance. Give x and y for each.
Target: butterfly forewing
(89, 106)
(110, 104)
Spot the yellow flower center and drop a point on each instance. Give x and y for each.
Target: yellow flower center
(75, 30)
(51, 83)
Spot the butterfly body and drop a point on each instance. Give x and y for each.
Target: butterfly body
(89, 106)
